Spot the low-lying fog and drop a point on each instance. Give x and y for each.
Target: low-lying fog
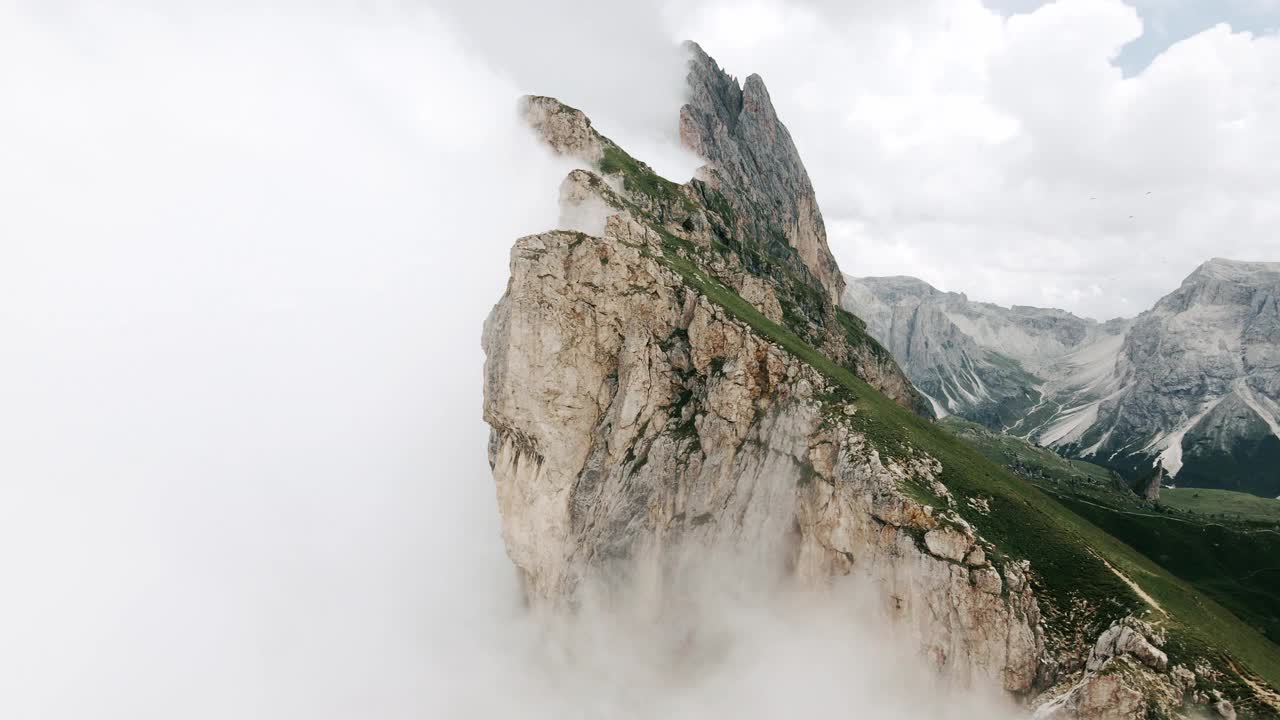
(245, 255)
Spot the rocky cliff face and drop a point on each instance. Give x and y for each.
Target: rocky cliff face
(1200, 390)
(663, 379)
(1191, 384)
(983, 362)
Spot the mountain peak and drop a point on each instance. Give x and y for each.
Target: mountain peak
(895, 286)
(752, 159)
(567, 130)
(1237, 270)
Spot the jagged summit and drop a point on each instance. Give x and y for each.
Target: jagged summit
(1225, 268)
(752, 159)
(750, 216)
(752, 165)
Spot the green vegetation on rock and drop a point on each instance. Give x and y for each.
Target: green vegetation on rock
(636, 176)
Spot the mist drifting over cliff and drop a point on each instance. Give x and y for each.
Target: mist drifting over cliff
(246, 256)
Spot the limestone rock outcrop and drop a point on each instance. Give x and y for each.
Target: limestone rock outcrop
(710, 219)
(631, 414)
(566, 130)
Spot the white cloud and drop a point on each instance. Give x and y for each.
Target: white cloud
(244, 260)
(614, 59)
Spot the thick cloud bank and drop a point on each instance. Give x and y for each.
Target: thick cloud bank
(245, 260)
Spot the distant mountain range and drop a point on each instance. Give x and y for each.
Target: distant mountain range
(1191, 385)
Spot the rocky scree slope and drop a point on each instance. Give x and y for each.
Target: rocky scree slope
(668, 373)
(1192, 385)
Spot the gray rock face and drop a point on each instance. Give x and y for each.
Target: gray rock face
(631, 418)
(1192, 384)
(1201, 383)
(652, 400)
(980, 361)
(754, 162)
(1129, 637)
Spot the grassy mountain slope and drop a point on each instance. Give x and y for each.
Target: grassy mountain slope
(1226, 504)
(1224, 543)
(1032, 461)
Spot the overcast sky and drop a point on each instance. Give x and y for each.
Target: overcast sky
(247, 248)
(1084, 154)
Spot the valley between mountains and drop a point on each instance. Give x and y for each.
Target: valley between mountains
(1190, 387)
